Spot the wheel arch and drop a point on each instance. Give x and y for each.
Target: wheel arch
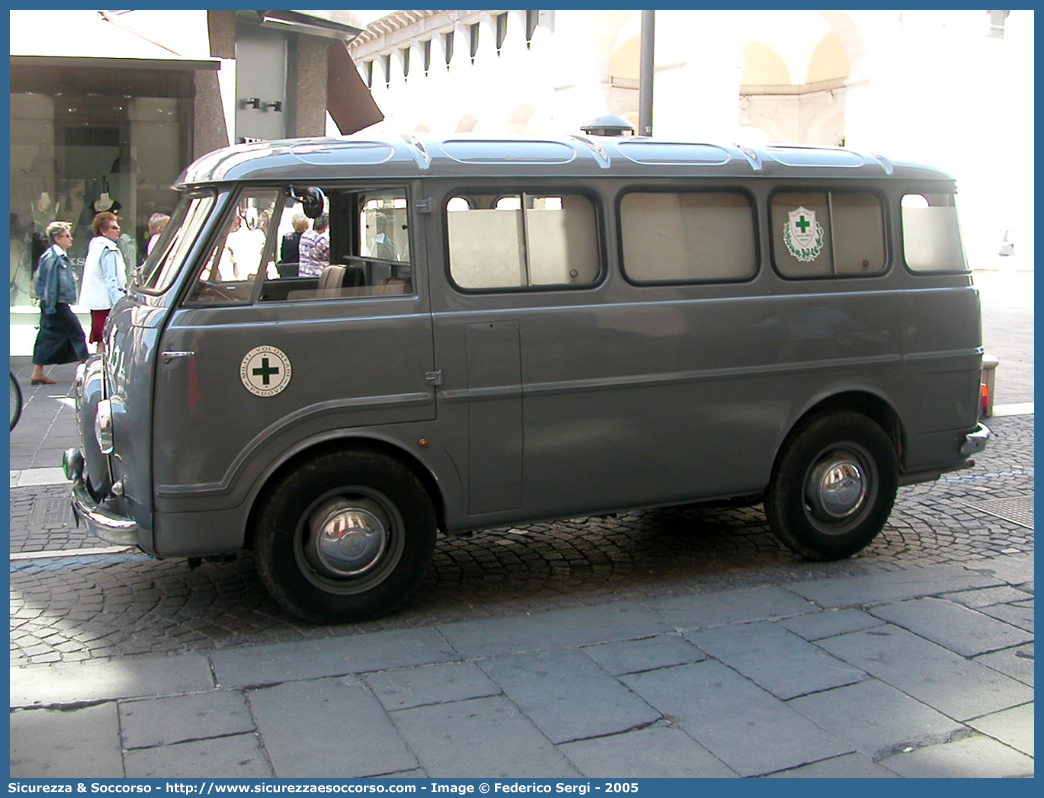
(344, 443)
(871, 405)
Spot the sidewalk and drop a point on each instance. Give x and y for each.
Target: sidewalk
(922, 673)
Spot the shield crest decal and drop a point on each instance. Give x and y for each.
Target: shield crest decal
(802, 234)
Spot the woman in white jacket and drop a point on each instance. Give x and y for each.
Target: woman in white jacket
(104, 274)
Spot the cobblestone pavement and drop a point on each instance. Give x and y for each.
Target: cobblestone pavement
(85, 605)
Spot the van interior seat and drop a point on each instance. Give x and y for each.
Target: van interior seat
(332, 277)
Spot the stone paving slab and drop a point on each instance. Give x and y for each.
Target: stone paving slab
(958, 687)
(153, 722)
(77, 683)
(731, 606)
(567, 696)
(644, 654)
(1012, 727)
(237, 757)
(884, 587)
(987, 597)
(1014, 662)
(725, 713)
(332, 727)
(1020, 615)
(957, 628)
(830, 623)
(657, 752)
(480, 738)
(876, 718)
(976, 757)
(404, 688)
(556, 629)
(850, 766)
(775, 659)
(274, 664)
(1015, 570)
(80, 743)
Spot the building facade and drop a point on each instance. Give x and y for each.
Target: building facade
(937, 87)
(108, 107)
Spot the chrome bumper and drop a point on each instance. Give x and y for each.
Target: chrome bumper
(100, 518)
(975, 442)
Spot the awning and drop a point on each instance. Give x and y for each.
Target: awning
(349, 102)
(119, 39)
(341, 25)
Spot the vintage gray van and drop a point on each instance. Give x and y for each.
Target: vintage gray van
(496, 331)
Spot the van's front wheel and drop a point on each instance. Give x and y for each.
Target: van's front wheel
(346, 536)
(833, 486)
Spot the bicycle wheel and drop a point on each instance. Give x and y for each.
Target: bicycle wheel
(16, 401)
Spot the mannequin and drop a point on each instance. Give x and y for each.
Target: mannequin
(45, 210)
(105, 202)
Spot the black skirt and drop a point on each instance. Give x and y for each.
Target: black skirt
(60, 339)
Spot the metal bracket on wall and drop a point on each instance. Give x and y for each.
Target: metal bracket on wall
(257, 104)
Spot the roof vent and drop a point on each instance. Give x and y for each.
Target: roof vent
(608, 125)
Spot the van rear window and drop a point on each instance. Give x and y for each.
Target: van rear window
(931, 237)
(687, 237)
(522, 241)
(827, 233)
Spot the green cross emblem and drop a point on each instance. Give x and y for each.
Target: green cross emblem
(803, 224)
(265, 371)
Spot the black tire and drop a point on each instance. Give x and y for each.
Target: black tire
(833, 486)
(380, 528)
(16, 401)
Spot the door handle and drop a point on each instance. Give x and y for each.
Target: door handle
(169, 356)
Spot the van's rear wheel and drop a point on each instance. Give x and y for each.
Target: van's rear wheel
(833, 486)
(346, 536)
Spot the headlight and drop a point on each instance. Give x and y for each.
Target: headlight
(103, 426)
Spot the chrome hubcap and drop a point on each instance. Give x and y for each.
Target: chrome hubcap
(346, 538)
(837, 487)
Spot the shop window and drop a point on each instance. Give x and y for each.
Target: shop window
(827, 233)
(522, 241)
(86, 140)
(687, 237)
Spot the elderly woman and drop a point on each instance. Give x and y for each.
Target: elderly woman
(60, 339)
(104, 274)
(290, 247)
(157, 224)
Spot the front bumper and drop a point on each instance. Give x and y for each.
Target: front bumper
(100, 518)
(975, 442)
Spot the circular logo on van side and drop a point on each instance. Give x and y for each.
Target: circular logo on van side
(265, 371)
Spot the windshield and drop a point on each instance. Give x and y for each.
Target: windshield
(174, 244)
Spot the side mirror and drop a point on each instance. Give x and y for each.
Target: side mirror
(312, 199)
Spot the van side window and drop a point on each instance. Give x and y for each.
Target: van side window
(360, 247)
(827, 233)
(229, 272)
(522, 241)
(687, 237)
(931, 237)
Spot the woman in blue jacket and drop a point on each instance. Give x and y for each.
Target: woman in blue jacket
(60, 339)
